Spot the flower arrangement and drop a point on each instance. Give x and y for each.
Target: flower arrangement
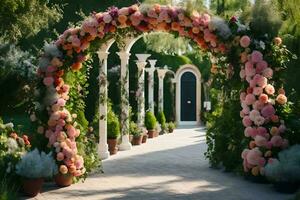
(35, 164)
(260, 100)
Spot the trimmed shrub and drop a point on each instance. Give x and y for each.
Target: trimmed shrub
(150, 120)
(162, 120)
(113, 125)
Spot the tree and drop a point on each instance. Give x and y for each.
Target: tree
(21, 19)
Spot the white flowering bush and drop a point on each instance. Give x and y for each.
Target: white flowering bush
(286, 168)
(35, 164)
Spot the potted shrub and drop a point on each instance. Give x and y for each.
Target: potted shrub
(284, 172)
(162, 121)
(113, 132)
(171, 126)
(33, 168)
(145, 135)
(150, 123)
(137, 134)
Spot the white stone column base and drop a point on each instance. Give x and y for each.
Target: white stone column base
(103, 152)
(125, 144)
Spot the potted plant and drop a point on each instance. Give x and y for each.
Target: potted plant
(113, 131)
(162, 121)
(137, 134)
(34, 167)
(145, 135)
(284, 172)
(171, 126)
(150, 123)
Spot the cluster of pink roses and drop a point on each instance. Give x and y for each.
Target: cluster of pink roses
(258, 113)
(61, 130)
(157, 18)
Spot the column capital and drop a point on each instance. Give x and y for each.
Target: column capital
(103, 55)
(161, 73)
(143, 57)
(141, 65)
(123, 55)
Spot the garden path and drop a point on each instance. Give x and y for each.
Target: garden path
(169, 167)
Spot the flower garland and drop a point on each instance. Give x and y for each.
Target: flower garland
(71, 48)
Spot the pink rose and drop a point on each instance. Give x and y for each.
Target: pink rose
(281, 99)
(245, 41)
(249, 69)
(282, 128)
(260, 80)
(254, 156)
(268, 73)
(258, 105)
(259, 120)
(247, 121)
(254, 114)
(263, 98)
(243, 96)
(268, 111)
(107, 18)
(257, 91)
(261, 66)
(250, 132)
(270, 89)
(256, 56)
(277, 141)
(250, 99)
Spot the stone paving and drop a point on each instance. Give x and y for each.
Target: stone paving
(169, 167)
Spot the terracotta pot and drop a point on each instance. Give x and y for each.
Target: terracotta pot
(151, 133)
(112, 146)
(137, 140)
(156, 134)
(63, 180)
(171, 130)
(31, 187)
(145, 137)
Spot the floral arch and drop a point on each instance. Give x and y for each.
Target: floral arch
(259, 99)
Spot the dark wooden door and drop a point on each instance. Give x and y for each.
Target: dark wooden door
(188, 97)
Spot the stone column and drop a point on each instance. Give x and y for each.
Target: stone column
(161, 75)
(103, 147)
(140, 94)
(125, 144)
(151, 85)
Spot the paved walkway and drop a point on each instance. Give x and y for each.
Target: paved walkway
(169, 167)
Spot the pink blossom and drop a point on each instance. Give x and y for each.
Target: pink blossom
(250, 99)
(242, 73)
(48, 81)
(107, 18)
(268, 73)
(260, 80)
(259, 120)
(270, 89)
(244, 153)
(277, 141)
(250, 132)
(260, 141)
(246, 110)
(61, 102)
(268, 111)
(261, 66)
(269, 145)
(257, 91)
(282, 128)
(253, 156)
(247, 121)
(123, 11)
(254, 114)
(249, 69)
(258, 105)
(256, 56)
(71, 131)
(79, 162)
(245, 41)
(262, 131)
(263, 98)
(51, 69)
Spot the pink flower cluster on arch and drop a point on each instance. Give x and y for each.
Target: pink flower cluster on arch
(261, 123)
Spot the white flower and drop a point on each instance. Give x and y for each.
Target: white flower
(262, 45)
(12, 145)
(9, 125)
(220, 25)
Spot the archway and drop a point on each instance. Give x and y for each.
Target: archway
(188, 96)
(229, 44)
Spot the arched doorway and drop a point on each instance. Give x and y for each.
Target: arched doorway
(188, 95)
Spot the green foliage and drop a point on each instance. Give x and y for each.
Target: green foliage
(150, 120)
(113, 124)
(162, 120)
(8, 189)
(21, 19)
(171, 126)
(134, 129)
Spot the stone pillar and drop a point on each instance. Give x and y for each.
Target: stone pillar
(140, 94)
(151, 85)
(161, 75)
(103, 147)
(125, 144)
